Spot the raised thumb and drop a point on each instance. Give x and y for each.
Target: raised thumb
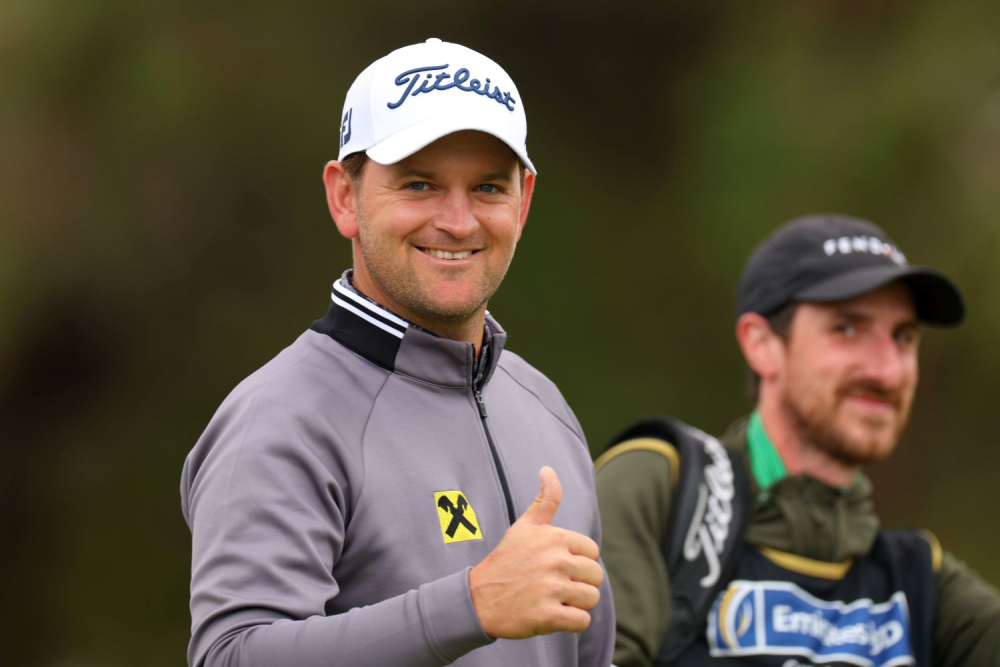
(547, 501)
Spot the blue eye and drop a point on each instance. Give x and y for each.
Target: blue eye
(489, 188)
(418, 186)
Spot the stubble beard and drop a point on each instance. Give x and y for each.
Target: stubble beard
(819, 426)
(399, 282)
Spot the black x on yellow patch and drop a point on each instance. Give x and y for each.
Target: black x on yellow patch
(458, 519)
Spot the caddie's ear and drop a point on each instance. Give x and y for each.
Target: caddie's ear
(762, 348)
(342, 198)
(526, 192)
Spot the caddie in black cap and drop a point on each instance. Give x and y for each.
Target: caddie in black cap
(763, 547)
(831, 257)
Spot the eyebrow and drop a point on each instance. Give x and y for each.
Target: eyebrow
(854, 316)
(497, 176)
(408, 172)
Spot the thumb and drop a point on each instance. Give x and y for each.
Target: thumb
(547, 501)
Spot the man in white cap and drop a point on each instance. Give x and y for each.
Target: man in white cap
(394, 488)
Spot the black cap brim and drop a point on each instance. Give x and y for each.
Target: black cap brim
(937, 299)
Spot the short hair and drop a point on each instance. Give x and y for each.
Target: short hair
(354, 165)
(780, 322)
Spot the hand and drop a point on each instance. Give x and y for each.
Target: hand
(539, 579)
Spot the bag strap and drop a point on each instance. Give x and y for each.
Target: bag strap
(709, 512)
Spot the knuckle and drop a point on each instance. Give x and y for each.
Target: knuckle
(564, 564)
(597, 573)
(553, 588)
(576, 620)
(556, 536)
(592, 598)
(557, 564)
(551, 618)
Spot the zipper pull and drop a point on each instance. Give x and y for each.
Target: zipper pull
(482, 406)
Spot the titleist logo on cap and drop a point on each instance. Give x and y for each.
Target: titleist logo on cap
(378, 117)
(430, 83)
(845, 245)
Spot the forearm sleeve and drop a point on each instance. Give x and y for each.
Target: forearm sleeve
(268, 520)
(422, 627)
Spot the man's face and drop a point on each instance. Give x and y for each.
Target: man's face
(437, 231)
(849, 371)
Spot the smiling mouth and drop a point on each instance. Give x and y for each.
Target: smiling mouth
(874, 402)
(444, 254)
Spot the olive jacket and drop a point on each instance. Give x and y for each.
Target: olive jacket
(799, 515)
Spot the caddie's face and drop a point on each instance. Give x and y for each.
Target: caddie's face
(437, 231)
(849, 372)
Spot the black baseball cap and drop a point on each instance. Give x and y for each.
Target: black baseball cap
(831, 257)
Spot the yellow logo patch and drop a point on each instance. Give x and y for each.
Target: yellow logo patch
(458, 519)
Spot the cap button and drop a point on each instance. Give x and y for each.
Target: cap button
(433, 40)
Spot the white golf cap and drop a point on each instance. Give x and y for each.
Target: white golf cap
(419, 93)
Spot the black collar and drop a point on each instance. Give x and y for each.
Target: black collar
(396, 345)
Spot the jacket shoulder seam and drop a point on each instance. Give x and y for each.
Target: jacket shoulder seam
(361, 445)
(579, 435)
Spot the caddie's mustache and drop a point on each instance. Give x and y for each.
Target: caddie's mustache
(873, 390)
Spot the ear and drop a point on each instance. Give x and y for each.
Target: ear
(342, 198)
(528, 190)
(762, 348)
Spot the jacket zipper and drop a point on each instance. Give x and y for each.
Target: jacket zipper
(496, 458)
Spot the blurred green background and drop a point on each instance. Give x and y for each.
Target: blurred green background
(164, 232)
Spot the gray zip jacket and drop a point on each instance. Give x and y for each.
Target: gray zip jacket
(340, 495)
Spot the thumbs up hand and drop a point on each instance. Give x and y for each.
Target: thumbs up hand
(539, 579)
(547, 501)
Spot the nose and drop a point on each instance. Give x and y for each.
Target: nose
(889, 363)
(456, 216)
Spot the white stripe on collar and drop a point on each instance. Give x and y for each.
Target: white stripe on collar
(375, 314)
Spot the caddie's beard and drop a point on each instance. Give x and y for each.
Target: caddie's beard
(845, 437)
(411, 289)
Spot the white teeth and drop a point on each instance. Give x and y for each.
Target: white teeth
(444, 254)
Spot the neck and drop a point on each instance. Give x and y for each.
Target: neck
(469, 330)
(800, 455)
